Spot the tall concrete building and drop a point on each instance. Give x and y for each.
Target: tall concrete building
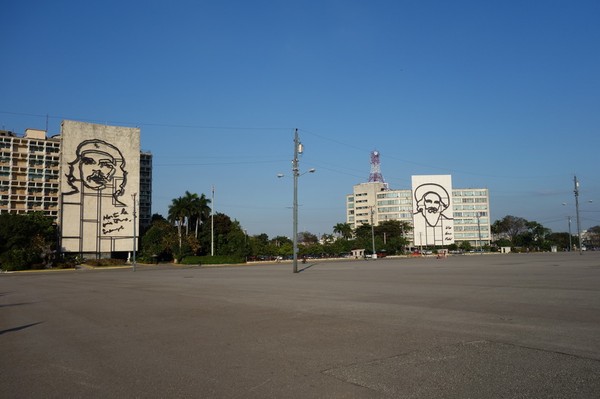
(145, 204)
(29, 173)
(440, 214)
(44, 174)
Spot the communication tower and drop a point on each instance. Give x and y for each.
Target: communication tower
(376, 176)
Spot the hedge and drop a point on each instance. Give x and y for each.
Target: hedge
(213, 260)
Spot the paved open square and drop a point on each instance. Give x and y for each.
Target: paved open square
(481, 326)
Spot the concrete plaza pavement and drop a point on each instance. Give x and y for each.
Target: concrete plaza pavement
(482, 326)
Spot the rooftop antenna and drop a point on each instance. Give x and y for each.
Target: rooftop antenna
(376, 176)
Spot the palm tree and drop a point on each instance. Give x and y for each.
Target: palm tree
(177, 214)
(192, 205)
(344, 230)
(198, 210)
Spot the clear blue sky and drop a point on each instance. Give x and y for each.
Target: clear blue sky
(499, 94)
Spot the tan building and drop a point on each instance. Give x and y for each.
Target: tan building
(99, 188)
(36, 171)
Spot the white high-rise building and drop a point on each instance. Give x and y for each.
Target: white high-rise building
(440, 214)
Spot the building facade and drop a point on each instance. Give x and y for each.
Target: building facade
(145, 202)
(29, 173)
(41, 174)
(440, 214)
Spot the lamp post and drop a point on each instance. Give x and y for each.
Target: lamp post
(570, 236)
(134, 230)
(212, 223)
(374, 256)
(576, 192)
(298, 149)
(479, 229)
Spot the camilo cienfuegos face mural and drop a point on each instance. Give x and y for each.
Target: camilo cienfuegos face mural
(432, 210)
(100, 175)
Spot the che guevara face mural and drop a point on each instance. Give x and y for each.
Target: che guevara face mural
(100, 174)
(98, 165)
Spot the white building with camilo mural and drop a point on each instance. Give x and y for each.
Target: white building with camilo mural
(439, 213)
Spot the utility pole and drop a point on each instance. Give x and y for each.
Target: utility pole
(576, 191)
(212, 222)
(570, 236)
(479, 227)
(134, 230)
(374, 256)
(295, 172)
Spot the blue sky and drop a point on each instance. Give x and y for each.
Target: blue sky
(499, 94)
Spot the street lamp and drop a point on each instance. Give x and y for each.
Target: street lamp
(479, 230)
(374, 256)
(134, 229)
(298, 150)
(576, 192)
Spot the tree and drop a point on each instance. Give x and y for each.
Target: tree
(511, 226)
(177, 213)
(561, 240)
(306, 238)
(198, 209)
(465, 246)
(392, 234)
(191, 203)
(281, 240)
(363, 238)
(258, 245)
(160, 241)
(363, 232)
(344, 230)
(327, 238)
(233, 241)
(26, 241)
(593, 237)
(538, 234)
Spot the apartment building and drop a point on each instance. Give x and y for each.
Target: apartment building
(29, 172)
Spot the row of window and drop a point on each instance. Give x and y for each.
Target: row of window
(469, 193)
(407, 216)
(469, 207)
(395, 194)
(7, 183)
(405, 201)
(394, 209)
(471, 200)
(482, 221)
(473, 236)
(470, 228)
(479, 214)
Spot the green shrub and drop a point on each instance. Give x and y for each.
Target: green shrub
(213, 260)
(20, 259)
(104, 262)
